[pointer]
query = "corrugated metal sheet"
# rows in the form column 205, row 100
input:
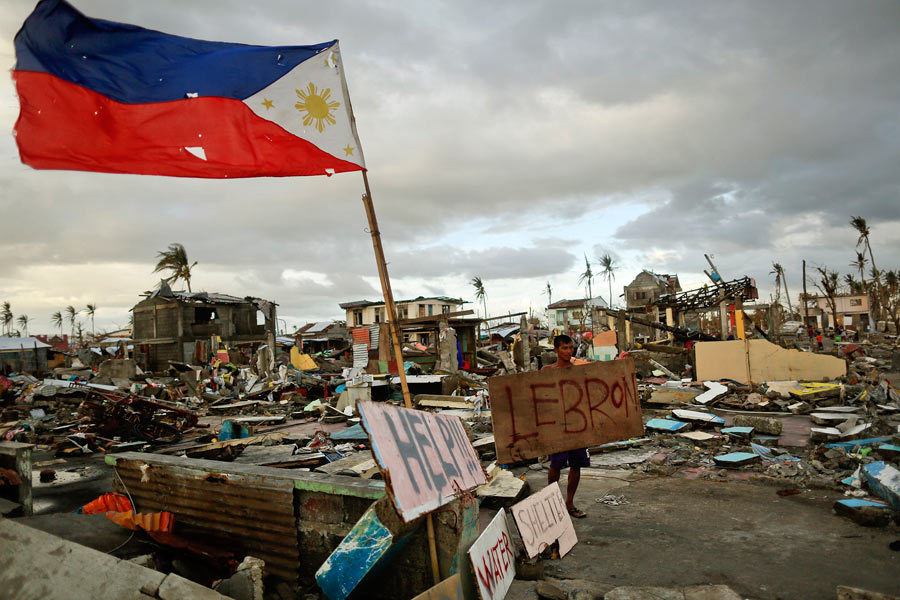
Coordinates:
column 256, row 509
column 360, row 355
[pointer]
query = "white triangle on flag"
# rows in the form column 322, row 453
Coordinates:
column 311, row 102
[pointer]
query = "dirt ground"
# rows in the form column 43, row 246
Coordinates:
column 679, row 532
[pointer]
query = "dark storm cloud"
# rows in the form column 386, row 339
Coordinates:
column 741, row 125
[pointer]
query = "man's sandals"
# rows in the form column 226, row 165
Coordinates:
column 577, row 513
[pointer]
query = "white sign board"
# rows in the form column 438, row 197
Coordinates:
column 542, row 519
column 493, row 559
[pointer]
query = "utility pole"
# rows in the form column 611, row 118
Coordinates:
column 714, row 275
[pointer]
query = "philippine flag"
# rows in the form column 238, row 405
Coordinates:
column 102, row 96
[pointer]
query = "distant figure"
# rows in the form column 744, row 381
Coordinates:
column 819, row 339
column 574, row 459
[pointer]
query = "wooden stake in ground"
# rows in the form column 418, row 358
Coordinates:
column 393, row 324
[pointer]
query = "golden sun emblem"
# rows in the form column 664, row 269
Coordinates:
column 315, row 103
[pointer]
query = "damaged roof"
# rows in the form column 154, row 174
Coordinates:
column 16, row 344
column 165, row 291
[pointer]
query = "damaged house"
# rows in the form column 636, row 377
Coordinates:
column 361, row 313
column 187, row 326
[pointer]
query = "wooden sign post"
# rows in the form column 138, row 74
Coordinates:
column 493, row 559
column 426, row 459
column 542, row 519
column 542, row 412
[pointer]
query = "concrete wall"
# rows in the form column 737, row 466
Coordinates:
column 40, row 566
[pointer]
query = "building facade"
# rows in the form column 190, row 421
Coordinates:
column 648, row 286
column 573, row 315
column 181, row 326
column 366, row 312
column 852, row 311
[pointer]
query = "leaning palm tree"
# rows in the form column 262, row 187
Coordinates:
column 90, row 310
column 587, row 277
column 480, row 294
column 175, row 259
column 23, row 320
column 862, row 228
column 71, row 313
column 608, row 272
column 6, row 317
column 56, row 319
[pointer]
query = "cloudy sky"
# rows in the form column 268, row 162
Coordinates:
column 506, row 140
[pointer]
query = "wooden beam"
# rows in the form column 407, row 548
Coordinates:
column 518, row 314
column 437, row 318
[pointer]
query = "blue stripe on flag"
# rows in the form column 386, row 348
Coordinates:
column 133, row 65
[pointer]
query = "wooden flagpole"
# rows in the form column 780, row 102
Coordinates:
column 386, row 290
column 393, row 323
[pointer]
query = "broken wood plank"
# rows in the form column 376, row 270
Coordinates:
column 438, row 401
column 358, row 463
column 503, row 490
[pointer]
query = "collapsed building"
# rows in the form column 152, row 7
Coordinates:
column 188, row 327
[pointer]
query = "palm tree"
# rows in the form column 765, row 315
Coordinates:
column 175, row 259
column 23, row 320
column 828, row 284
column 6, row 317
column 71, row 313
column 56, row 319
column 860, row 265
column 862, row 228
column 549, row 291
column 89, row 311
column 608, row 272
column 480, row 294
column 587, row 276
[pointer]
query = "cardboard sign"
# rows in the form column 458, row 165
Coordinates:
column 543, row 412
column 542, row 519
column 425, row 458
column 493, row 559
column 448, row 589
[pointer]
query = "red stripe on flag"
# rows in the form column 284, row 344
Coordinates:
column 65, row 126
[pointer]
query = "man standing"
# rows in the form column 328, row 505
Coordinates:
column 574, row 459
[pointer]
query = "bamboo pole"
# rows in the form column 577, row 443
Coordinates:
column 386, row 290
column 393, row 324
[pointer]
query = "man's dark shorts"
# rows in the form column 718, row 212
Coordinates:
column 572, row 458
